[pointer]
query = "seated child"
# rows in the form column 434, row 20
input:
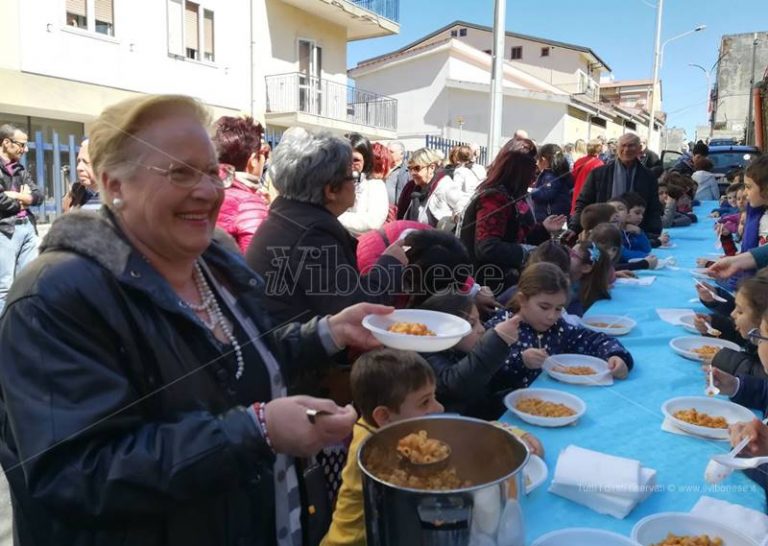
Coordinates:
column 750, row 392
column 542, row 294
column 464, row 372
column 387, row 386
column 634, row 242
column 608, row 236
column 750, row 305
column 591, row 275
column 729, row 206
column 669, row 195
column 597, row 213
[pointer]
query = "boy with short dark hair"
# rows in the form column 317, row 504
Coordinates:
column 635, row 243
column 595, row 214
column 387, row 386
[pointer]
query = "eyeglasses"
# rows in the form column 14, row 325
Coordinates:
column 22, row 145
column 755, row 338
column 186, row 176
column 417, row 168
column 355, row 177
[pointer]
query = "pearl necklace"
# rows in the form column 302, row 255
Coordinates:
column 210, row 306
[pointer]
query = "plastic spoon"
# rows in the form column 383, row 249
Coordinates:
column 711, row 390
column 738, row 463
column 711, row 292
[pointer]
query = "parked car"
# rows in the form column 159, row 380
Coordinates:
column 723, row 142
column 725, row 159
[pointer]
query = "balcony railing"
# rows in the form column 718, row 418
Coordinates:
column 386, row 8
column 296, row 92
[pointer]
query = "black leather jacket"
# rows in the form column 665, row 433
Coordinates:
column 114, row 431
column 9, row 207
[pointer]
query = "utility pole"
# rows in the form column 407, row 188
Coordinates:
column 750, row 132
column 497, row 79
column 655, row 82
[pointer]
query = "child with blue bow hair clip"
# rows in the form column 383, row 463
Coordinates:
column 591, row 276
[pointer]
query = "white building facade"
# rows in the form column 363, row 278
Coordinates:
column 300, row 65
column 551, row 89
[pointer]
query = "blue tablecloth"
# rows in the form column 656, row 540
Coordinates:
column 625, row 419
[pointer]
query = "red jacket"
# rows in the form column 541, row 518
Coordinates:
column 581, row 170
column 242, row 212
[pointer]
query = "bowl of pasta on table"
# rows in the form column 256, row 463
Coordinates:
column 699, row 347
column 545, row 407
column 679, row 529
column 615, row 325
column 417, row 330
column 704, row 416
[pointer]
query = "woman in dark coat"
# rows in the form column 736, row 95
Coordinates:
column 143, row 384
column 306, row 256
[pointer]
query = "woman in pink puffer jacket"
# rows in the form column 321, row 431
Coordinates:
column 239, row 146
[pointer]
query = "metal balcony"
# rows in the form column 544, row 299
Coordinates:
column 362, row 19
column 386, row 8
column 298, row 93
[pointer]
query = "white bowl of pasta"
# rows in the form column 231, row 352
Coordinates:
column 545, row 407
column 583, row 537
column 704, row 416
column 615, row 325
column 700, row 347
column 655, row 530
column 417, row 330
column 577, row 369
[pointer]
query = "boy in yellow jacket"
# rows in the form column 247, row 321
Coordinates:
column 387, row 386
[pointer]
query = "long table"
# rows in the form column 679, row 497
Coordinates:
column 625, row 419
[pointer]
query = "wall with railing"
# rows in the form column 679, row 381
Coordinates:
column 295, row 92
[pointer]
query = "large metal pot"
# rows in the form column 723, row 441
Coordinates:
column 487, row 513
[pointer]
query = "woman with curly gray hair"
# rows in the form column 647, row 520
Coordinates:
column 306, row 256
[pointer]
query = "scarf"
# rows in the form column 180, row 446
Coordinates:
column 623, row 178
column 287, row 494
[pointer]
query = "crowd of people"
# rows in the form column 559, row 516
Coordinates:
column 166, row 353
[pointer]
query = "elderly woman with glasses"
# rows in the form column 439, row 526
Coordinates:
column 143, row 383
column 306, row 256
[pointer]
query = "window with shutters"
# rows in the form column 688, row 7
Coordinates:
column 77, row 14
column 191, row 30
column 516, row 53
column 104, row 17
column 91, row 15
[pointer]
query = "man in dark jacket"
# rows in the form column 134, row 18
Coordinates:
column 618, row 177
column 18, row 236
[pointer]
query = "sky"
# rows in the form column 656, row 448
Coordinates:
column 621, row 32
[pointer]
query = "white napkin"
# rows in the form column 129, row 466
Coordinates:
column 618, row 507
column 669, row 426
column 641, row 281
column 750, row 522
column 599, row 472
column 673, row 316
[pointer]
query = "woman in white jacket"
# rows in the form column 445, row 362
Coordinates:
column 371, row 200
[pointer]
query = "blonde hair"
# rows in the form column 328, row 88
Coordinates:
column 424, row 157
column 594, row 147
column 118, row 124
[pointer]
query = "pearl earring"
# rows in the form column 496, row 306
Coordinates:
column 118, row 203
